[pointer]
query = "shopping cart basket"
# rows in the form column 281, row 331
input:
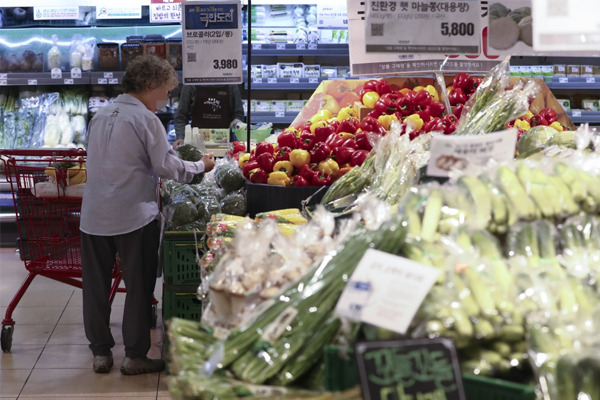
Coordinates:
column 48, row 209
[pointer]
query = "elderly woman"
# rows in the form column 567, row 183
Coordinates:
column 127, row 151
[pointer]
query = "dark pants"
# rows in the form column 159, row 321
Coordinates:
column 138, row 251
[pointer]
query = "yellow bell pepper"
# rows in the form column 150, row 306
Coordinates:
column 449, row 89
column 321, row 115
column 370, row 98
column 284, row 166
column 528, row 115
column 520, row 124
column 278, row 178
column 299, row 157
column 556, row 125
column 386, row 120
column 243, row 160
column 418, row 88
column 315, row 124
column 346, row 135
column 414, row 121
column 433, row 92
column 330, row 166
column 346, row 113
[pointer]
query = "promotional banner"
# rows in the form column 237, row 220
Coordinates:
column 212, row 42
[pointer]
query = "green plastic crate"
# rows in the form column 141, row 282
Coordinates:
column 181, row 302
column 179, row 261
column 341, row 373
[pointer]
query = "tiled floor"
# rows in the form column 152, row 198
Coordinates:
column 49, row 358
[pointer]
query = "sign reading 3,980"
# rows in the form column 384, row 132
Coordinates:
column 410, row 27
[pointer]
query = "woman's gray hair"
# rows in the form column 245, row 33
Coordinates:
column 149, row 71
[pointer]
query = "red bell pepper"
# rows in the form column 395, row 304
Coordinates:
column 370, row 86
column 415, row 134
column 362, row 141
column 424, row 114
column 407, row 106
column 299, row 180
column 473, row 86
column 422, row 99
column 462, row 81
column 343, row 155
column 334, row 140
column 321, row 179
column 436, row 108
column 238, row 147
column 282, row 153
column 308, row 170
column 249, row 166
column 306, row 141
column 382, row 87
column 435, row 125
column 548, row 114
column 287, row 138
column 358, row 157
column 350, row 143
column 538, row 120
column 264, row 147
column 374, row 113
column 457, row 96
column 370, row 124
column 389, row 103
column 458, row 110
column 258, row 175
column 349, row 125
column 323, row 132
column 319, row 152
column 266, row 161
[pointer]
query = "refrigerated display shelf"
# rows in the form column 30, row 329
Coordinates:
column 573, row 82
column 583, row 116
column 297, row 49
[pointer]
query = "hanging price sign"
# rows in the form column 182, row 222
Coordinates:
column 441, row 26
column 212, row 42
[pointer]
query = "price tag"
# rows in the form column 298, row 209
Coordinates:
column 102, row 81
column 371, row 294
column 32, row 82
column 444, row 26
column 590, row 80
column 434, row 371
column 563, row 79
column 279, row 114
column 449, row 153
column 313, row 80
column 257, row 80
column 294, row 80
column 312, row 46
column 576, row 113
column 3, row 82
column 280, row 46
column 113, row 81
column 55, row 73
column 68, row 81
column 300, row 46
column 272, row 80
column 3, row 76
column 76, row 73
column 256, row 46
column 108, row 75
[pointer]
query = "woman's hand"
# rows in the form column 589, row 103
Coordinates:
column 209, row 162
column 177, row 143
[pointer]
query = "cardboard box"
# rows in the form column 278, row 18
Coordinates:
column 590, row 104
column 565, row 103
column 560, row 70
column 586, row 70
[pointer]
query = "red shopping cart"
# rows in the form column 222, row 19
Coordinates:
column 47, row 205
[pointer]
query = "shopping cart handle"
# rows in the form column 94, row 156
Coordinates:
column 79, row 152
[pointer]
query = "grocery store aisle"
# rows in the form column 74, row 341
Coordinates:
column 49, row 358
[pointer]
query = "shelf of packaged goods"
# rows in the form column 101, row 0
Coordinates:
column 276, row 117
column 583, row 116
column 572, row 82
column 43, row 78
column 285, row 83
column 297, row 49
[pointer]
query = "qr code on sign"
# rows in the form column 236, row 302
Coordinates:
column 191, row 57
column 376, row 29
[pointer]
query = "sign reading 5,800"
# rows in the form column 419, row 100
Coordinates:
column 458, row 29
column 225, row 64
